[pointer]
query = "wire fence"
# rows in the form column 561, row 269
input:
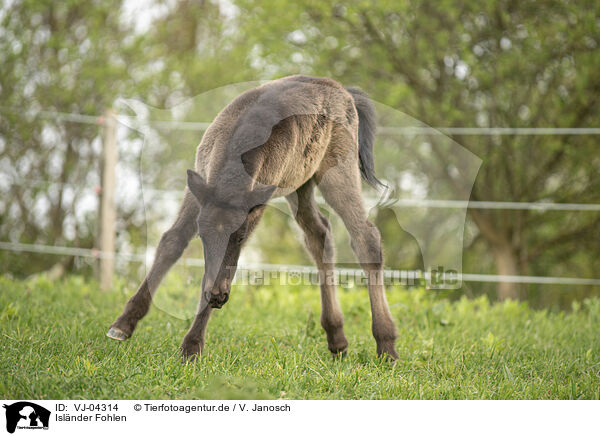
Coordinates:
column 129, row 121
column 370, row 201
column 295, row 269
column 386, row 130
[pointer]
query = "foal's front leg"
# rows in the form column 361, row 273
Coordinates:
column 172, row 244
column 193, row 342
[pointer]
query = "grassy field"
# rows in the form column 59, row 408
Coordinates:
column 267, row 343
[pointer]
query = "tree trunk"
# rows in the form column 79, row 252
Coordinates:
column 506, row 264
column 504, row 254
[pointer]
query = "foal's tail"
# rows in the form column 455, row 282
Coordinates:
column 366, row 136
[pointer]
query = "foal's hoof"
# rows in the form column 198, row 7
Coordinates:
column 391, row 358
column 387, row 351
column 339, row 355
column 338, row 348
column 116, row 333
column 190, row 352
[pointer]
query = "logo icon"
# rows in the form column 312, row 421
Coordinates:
column 26, row 415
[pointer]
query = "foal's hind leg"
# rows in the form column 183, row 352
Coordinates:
column 319, row 241
column 171, row 246
column 341, row 188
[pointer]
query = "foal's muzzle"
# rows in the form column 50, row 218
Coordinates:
column 217, row 300
column 216, row 295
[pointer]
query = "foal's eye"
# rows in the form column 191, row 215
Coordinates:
column 240, row 239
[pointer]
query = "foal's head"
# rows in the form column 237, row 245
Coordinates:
column 224, row 222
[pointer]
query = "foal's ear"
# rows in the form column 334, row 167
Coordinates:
column 197, row 185
column 260, row 196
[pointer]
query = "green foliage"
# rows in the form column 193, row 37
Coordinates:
column 66, row 57
column 495, row 63
column 266, row 343
column 80, row 57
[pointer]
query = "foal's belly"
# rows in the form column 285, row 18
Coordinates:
column 292, row 165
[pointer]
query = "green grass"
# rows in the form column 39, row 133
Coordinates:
column 267, row 343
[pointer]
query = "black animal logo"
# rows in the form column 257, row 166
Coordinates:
column 26, row 415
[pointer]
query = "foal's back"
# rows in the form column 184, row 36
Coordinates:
column 280, row 132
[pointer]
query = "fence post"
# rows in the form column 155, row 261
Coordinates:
column 108, row 208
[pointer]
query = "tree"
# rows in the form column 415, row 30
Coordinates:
column 79, row 57
column 65, row 57
column 498, row 63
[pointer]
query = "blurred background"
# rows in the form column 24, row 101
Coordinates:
column 516, row 84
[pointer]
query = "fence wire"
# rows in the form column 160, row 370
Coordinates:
column 294, row 269
column 300, row 269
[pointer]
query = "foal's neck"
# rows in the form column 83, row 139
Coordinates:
column 230, row 175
